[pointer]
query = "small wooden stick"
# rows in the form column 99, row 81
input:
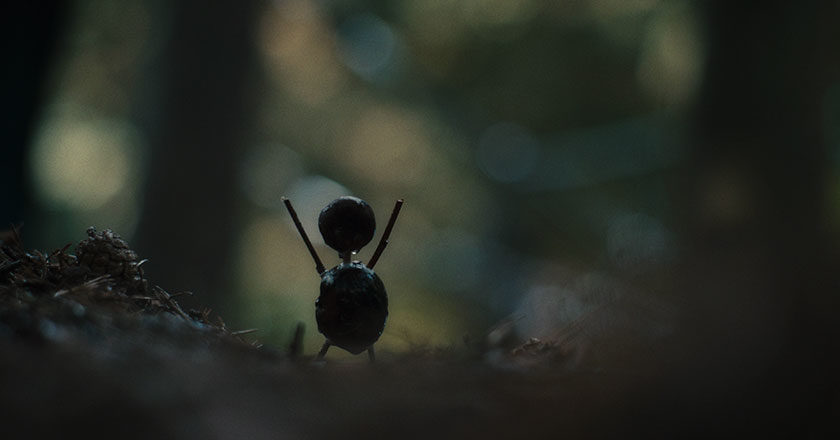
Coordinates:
column 318, row 265
column 296, row 344
column 384, row 240
column 324, row 349
column 244, row 332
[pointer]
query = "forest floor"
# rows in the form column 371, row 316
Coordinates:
column 89, row 347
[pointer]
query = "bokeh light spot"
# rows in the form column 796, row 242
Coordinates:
column 671, row 62
column 367, row 45
column 82, row 164
column 300, row 52
column 508, row 152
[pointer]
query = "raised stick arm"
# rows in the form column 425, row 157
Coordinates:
column 384, row 240
column 319, row 266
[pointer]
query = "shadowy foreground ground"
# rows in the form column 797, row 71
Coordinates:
column 90, row 348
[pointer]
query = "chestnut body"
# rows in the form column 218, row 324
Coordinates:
column 352, row 308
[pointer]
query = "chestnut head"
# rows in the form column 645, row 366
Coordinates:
column 347, row 224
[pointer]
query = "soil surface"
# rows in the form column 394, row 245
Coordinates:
column 90, row 348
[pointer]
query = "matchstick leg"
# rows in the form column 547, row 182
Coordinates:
column 323, row 351
column 384, row 240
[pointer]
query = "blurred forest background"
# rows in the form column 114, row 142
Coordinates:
column 614, row 163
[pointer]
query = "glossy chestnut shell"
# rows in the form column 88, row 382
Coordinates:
column 347, row 224
column 352, row 308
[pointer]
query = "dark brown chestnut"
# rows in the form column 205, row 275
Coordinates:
column 347, row 224
column 352, row 307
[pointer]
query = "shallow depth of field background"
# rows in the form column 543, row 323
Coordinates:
column 539, row 146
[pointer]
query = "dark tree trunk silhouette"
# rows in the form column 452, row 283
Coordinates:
column 30, row 37
column 757, row 285
column 199, row 110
